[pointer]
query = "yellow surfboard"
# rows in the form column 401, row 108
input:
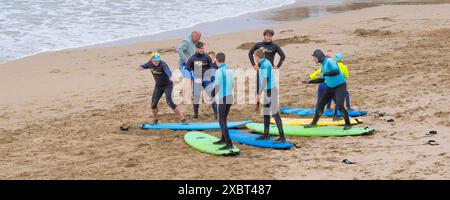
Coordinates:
column 322, row 121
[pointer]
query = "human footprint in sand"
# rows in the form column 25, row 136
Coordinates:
column 163, row 85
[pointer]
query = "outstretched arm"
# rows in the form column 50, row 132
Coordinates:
column 315, row 81
column 143, row 66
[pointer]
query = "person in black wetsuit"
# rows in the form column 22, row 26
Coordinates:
column 202, row 67
column 336, row 87
column 271, row 50
column 270, row 101
column 163, row 85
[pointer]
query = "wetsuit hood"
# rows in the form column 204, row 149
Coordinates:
column 338, row 57
column 319, row 55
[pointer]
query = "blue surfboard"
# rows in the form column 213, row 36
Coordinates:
column 352, row 113
column 250, row 139
column 304, row 112
column 192, row 126
column 290, row 110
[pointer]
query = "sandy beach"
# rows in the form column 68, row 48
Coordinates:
column 60, row 112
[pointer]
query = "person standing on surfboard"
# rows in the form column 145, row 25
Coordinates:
column 185, row 50
column 201, row 66
column 223, row 88
column 163, row 85
column 344, row 70
column 270, row 101
column 272, row 50
column 322, row 86
column 336, row 87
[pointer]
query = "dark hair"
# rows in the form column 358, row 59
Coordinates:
column 268, row 32
column 261, row 52
column 220, row 57
column 199, row 44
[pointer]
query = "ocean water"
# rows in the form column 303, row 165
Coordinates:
column 28, row 27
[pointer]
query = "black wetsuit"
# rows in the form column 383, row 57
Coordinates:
column 336, row 93
column 224, row 109
column 163, row 84
column 272, row 50
column 205, row 74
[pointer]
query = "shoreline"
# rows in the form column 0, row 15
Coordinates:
column 247, row 21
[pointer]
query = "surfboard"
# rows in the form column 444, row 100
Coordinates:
column 247, row 138
column 316, row 131
column 311, row 111
column 204, row 143
column 290, row 110
column 321, row 122
column 192, row 125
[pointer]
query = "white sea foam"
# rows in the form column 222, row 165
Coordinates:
column 32, row 26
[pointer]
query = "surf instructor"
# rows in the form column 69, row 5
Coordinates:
column 271, row 50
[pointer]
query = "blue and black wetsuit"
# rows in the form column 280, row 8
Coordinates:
column 270, row 100
column 163, row 84
column 272, row 50
column 224, row 89
column 336, row 88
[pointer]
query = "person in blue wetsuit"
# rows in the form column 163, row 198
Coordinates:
column 271, row 50
column 322, row 86
column 223, row 89
column 163, row 85
column 336, row 88
column 267, row 84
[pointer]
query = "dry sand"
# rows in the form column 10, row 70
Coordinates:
column 60, row 112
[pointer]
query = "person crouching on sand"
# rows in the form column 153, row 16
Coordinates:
column 163, row 85
column 323, row 86
column 336, row 88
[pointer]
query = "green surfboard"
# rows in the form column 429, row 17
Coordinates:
column 204, row 143
column 290, row 130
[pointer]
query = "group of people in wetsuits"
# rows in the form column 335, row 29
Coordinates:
column 208, row 73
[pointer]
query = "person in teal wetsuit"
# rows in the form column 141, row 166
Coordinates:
column 336, row 88
column 223, row 89
column 267, row 84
